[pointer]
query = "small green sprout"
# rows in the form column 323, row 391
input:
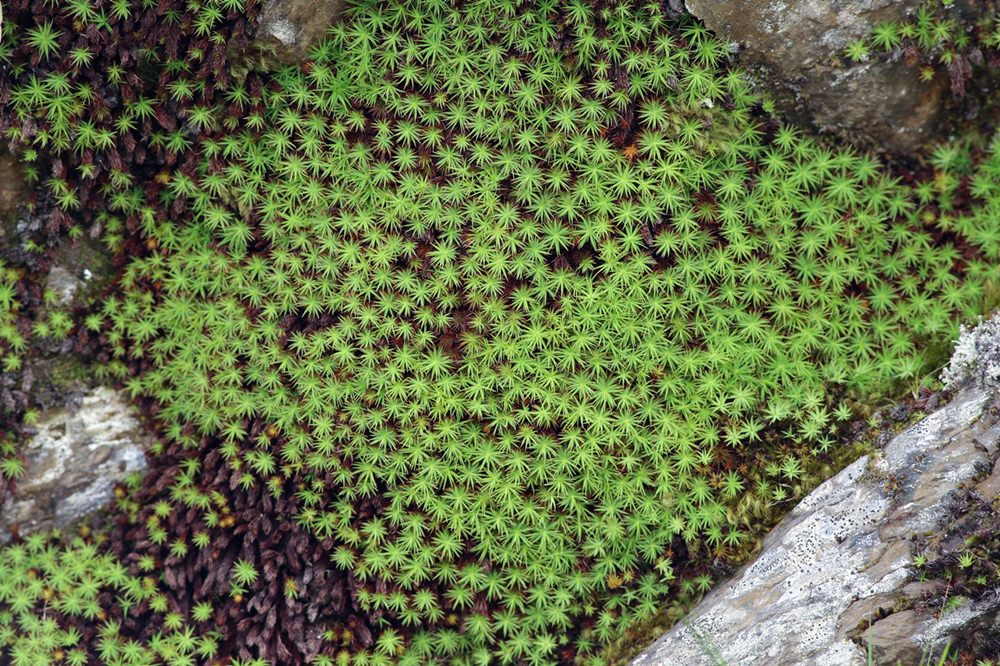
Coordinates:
column 244, row 573
column 202, row 612
column 12, row 468
column 44, row 39
column 858, row 51
column 886, row 36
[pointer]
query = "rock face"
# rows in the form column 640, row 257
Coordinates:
column 836, row 575
column 80, row 270
column 795, row 48
column 976, row 357
column 293, row 26
column 12, row 189
column 73, row 463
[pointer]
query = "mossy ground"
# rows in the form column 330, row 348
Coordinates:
column 485, row 333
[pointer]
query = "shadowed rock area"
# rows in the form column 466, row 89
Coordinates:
column 86, row 439
column 293, row 26
column 795, row 50
column 836, row 575
column 13, row 190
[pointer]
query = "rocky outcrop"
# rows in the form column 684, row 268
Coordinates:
column 73, row 462
column 795, row 49
column 293, row 26
column 85, row 440
column 836, row 577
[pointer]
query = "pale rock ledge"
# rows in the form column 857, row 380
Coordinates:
column 73, row 462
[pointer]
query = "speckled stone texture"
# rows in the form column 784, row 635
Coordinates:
column 976, row 357
column 835, row 575
column 795, row 50
column 73, row 463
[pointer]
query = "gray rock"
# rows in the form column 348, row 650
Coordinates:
column 64, row 284
column 795, row 49
column 989, row 488
column 61, row 380
column 976, row 357
column 836, row 574
column 73, row 463
column 293, row 26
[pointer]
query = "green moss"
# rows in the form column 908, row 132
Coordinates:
column 12, row 347
column 548, row 303
column 51, row 587
column 940, row 38
column 543, row 283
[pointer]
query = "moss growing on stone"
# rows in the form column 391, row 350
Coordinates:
column 523, row 313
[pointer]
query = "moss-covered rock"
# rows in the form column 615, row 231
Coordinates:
column 796, row 48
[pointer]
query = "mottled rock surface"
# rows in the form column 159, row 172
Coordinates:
column 12, row 190
column 80, row 270
column 73, row 462
column 293, row 26
column 795, row 49
column 976, row 357
column 836, row 574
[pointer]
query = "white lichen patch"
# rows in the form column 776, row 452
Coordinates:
column 976, row 357
column 64, row 284
column 283, row 30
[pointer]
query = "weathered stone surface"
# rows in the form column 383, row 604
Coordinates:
column 976, row 357
column 12, row 190
column 836, row 574
column 73, row 463
column 60, row 380
column 293, row 26
column 80, row 269
column 990, row 486
column 795, row 49
column 63, row 284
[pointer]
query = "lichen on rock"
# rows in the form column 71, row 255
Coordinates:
column 293, row 26
column 73, row 462
column 976, row 357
